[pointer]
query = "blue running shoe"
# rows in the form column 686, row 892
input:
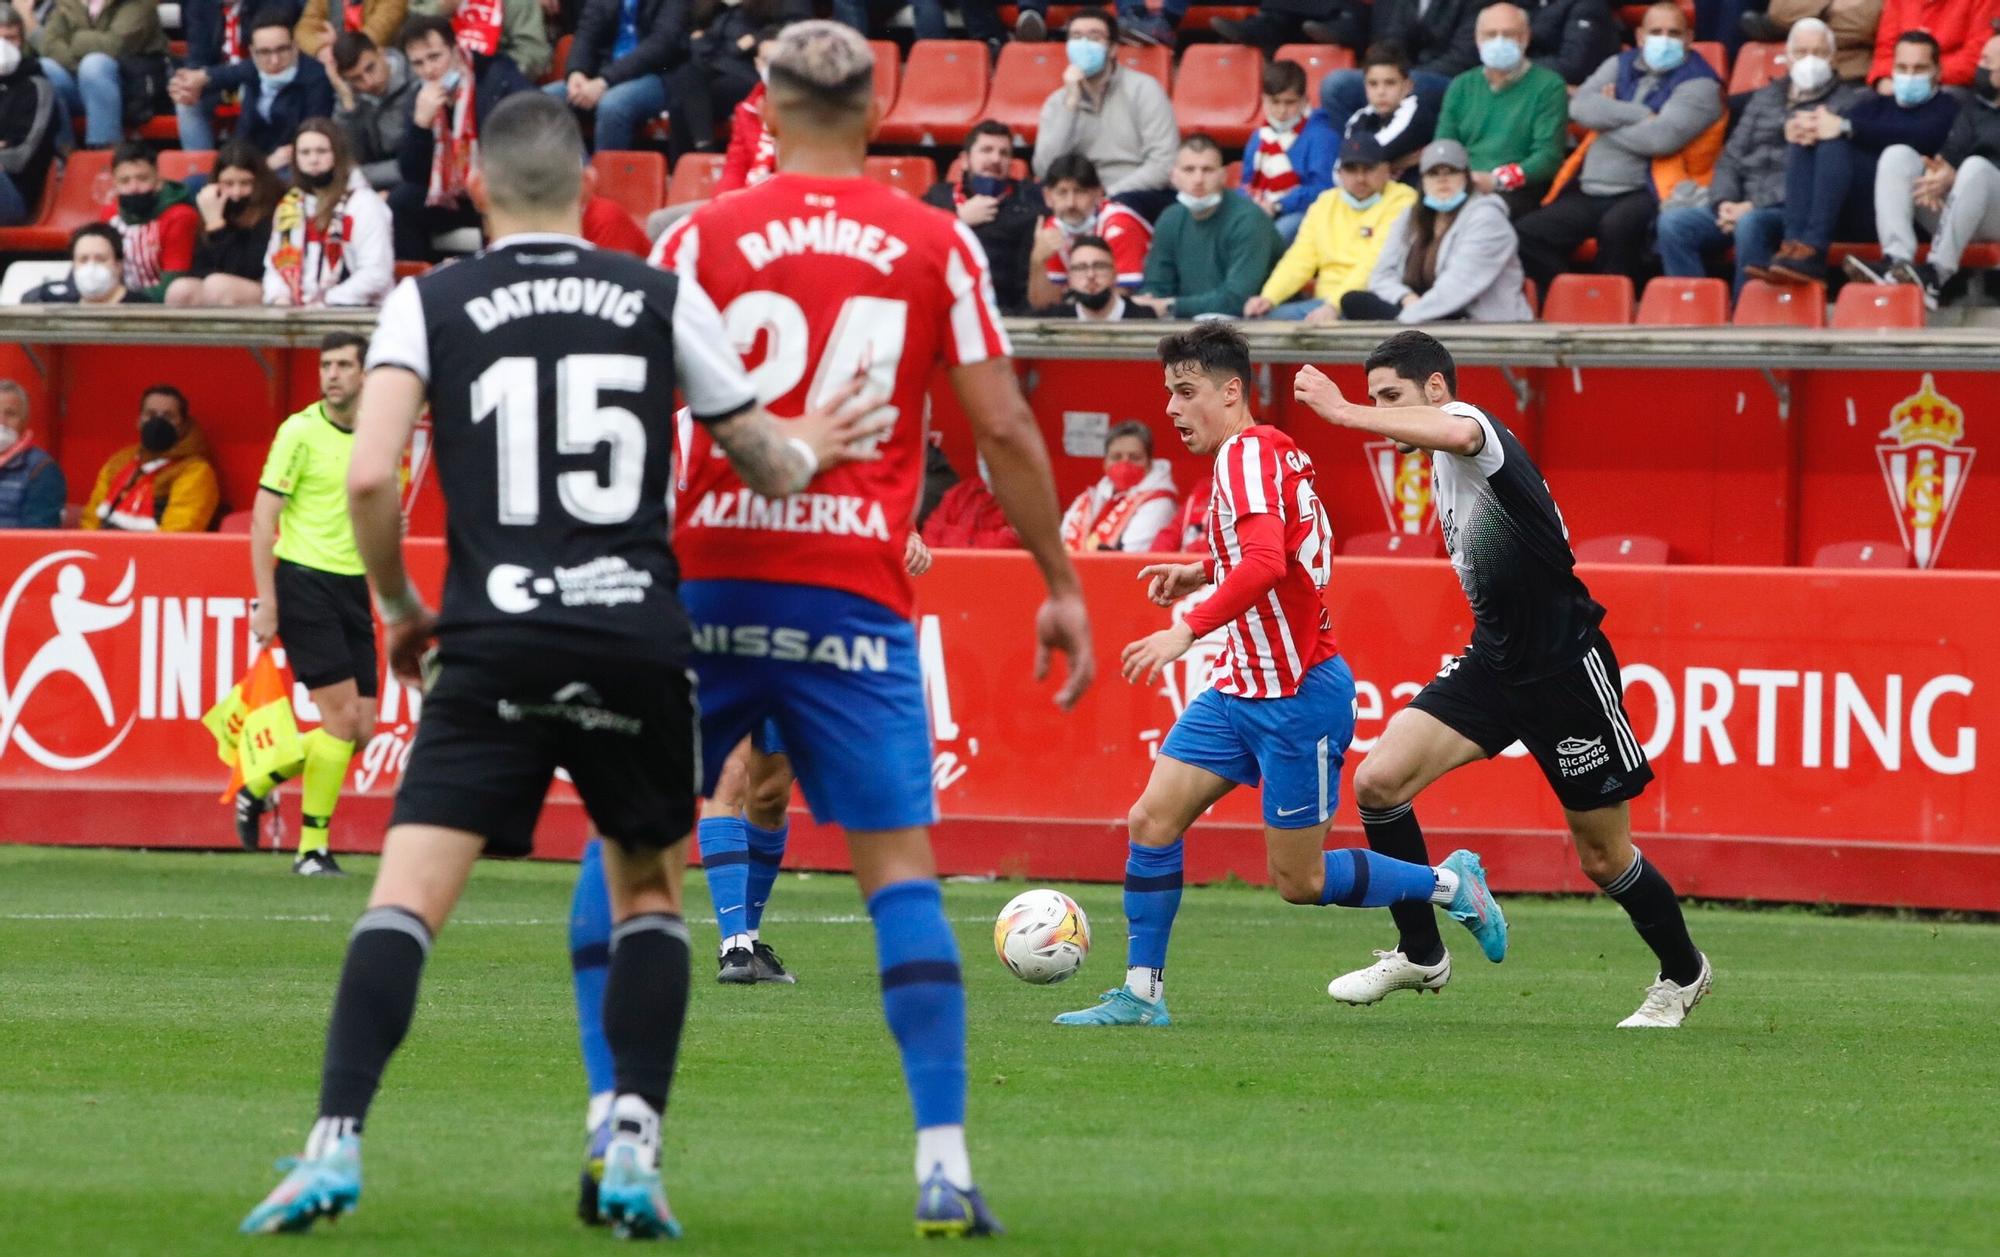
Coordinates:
column 630, row 1198
column 1119, row 1007
column 322, row 1188
column 593, row 1174
column 1474, row 907
column 947, row 1212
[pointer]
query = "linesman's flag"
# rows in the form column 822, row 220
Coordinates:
column 255, row 733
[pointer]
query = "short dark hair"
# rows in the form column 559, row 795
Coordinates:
column 348, row 49
column 1090, row 242
column 531, row 154
column 168, row 390
column 1200, row 143
column 105, row 230
column 1284, row 76
column 1415, row 356
column 1131, row 427
column 1074, row 168
column 268, row 18
column 1928, row 40
column 1388, row 52
column 419, row 28
column 334, row 342
column 988, row 126
column 1094, row 13
column 131, row 151
column 1214, row 346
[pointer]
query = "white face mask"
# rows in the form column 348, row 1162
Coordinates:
column 1286, row 127
column 1810, row 73
column 93, row 280
column 1198, row 205
column 10, row 57
column 7, row 439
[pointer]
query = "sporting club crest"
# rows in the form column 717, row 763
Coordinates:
column 1403, row 482
column 1925, row 467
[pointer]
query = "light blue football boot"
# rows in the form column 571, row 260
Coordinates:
column 324, row 1187
column 1119, row 1007
column 1474, row 907
column 630, row 1197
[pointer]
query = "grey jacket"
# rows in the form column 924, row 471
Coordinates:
column 1479, row 269
column 1130, row 135
column 376, row 124
column 1752, row 165
column 1629, row 135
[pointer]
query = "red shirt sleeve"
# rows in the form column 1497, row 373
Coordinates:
column 608, row 226
column 1262, row 538
column 746, row 129
column 1128, row 252
column 180, row 227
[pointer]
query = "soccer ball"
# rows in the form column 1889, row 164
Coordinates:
column 1042, row 936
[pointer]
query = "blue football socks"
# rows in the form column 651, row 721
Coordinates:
column 1359, row 878
column 767, row 853
column 590, row 962
column 923, row 997
column 725, row 861
column 1152, row 898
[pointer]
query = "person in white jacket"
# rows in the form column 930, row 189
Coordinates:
column 1453, row 256
column 332, row 243
column 1131, row 505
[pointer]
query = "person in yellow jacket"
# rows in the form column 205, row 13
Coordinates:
column 165, row 483
column 1337, row 244
column 312, row 595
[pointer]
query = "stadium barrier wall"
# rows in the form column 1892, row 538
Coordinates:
column 1817, row 734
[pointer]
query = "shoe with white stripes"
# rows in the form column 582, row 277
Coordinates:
column 1391, row 972
column 1668, row 1003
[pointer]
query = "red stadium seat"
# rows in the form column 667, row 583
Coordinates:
column 1589, row 299
column 1879, row 307
column 177, row 164
column 1780, row 305
column 236, row 522
column 913, row 175
column 1862, row 554
column 410, row 270
column 1219, row 92
column 1394, row 545
column 695, row 177
column 944, row 92
column 888, row 72
column 637, row 181
column 79, row 195
column 1670, row 302
column 1622, row 548
column 1318, row 61
column 1718, row 57
column 1148, row 59
column 559, row 62
column 1756, row 65
column 1232, row 175
column 1025, row 77
column 1633, row 14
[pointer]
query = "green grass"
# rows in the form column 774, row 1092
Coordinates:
column 161, row 1019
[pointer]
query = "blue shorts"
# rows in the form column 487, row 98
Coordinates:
column 1294, row 745
column 766, row 740
column 838, row 677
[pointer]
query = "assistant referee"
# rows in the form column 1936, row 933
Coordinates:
column 312, row 594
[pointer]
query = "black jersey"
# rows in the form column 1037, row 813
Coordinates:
column 551, row 368
column 1531, row 616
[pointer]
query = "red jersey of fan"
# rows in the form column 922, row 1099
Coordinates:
column 1124, row 229
column 820, row 280
column 1285, row 631
column 753, row 150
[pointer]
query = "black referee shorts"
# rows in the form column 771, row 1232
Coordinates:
column 327, row 626
column 1573, row 723
column 493, row 733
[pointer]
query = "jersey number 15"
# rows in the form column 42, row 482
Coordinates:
column 510, row 391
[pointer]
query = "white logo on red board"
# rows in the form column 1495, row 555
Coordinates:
column 1925, row 468
column 66, row 652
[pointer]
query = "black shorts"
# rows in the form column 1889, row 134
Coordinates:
column 327, row 626
column 1573, row 723
column 493, row 734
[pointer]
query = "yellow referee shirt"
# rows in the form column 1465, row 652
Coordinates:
column 308, row 468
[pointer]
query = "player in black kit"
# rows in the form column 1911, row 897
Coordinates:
column 550, row 370
column 1538, row 670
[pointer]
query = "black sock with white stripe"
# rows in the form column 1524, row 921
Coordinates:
column 645, row 1003
column 1394, row 832
column 371, row 1009
column 1646, row 896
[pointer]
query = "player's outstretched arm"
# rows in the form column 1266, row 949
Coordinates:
column 1025, row 487
column 1425, row 427
column 392, row 399
column 778, row 458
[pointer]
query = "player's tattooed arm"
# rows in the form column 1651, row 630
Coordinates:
column 772, row 466
column 1401, row 413
column 777, row 458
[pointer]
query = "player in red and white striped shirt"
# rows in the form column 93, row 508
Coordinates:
column 1281, row 709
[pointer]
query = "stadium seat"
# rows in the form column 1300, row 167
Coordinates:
column 1880, row 307
column 1149, row 59
column 1633, row 14
column 637, row 181
column 177, row 164
column 236, row 522
column 695, row 177
column 1622, row 548
column 1780, row 305
column 1862, row 554
column 1672, row 302
column 1588, row 299
column 77, row 195
column 410, row 270
column 913, row 175
column 1393, row 545
column 888, row 72
column 1219, row 92
column 559, row 62
column 1318, row 61
column 1718, row 57
column 944, row 92
column 1756, row 65
column 1232, row 175
column 1024, row 77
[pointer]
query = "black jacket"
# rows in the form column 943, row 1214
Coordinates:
column 1008, row 239
column 201, row 21
column 1441, row 40
column 494, row 80
column 237, row 251
column 308, row 95
column 1571, row 37
column 1974, row 133
column 663, row 40
column 27, row 127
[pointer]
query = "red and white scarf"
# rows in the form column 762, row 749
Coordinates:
column 455, row 131
column 233, row 50
column 306, row 253
column 136, row 507
column 477, row 25
column 1274, row 175
column 1097, row 519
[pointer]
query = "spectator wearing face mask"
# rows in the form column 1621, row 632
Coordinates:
column 455, row 93
column 1079, row 212
column 157, row 219
column 1854, row 24
column 1002, row 211
column 1958, row 27
column 1343, row 234
column 236, row 207
column 1090, row 287
column 1272, row 178
column 27, row 123
column 277, row 88
column 374, row 94
column 32, row 488
column 1120, row 119
column 331, row 240
column 1212, row 250
column 1453, row 256
column 96, row 272
column 1132, row 505
column 1511, row 115
column 166, row 482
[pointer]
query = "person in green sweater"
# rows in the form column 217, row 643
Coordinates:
column 1211, row 251
column 1511, row 115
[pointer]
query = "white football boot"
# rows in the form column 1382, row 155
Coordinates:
column 1667, row 1004
column 1392, row 971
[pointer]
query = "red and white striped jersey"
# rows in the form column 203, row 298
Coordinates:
column 1124, row 229
column 1269, row 648
column 820, row 280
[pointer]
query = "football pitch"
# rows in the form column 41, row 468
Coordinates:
column 161, row 1020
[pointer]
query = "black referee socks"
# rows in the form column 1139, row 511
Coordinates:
column 645, row 1003
column 1394, row 832
column 372, row 1009
column 1649, row 900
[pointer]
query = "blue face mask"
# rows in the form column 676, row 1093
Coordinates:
column 1087, row 55
column 985, row 185
column 451, row 81
column 274, row 83
column 1913, row 89
column 1356, row 203
column 1664, row 52
column 1500, row 54
column 1445, row 205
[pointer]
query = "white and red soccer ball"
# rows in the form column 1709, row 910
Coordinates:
column 1042, row 936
